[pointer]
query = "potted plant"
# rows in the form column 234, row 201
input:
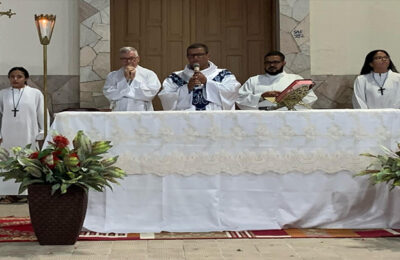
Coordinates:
column 385, row 168
column 57, row 179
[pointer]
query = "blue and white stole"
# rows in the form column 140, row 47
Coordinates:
column 199, row 99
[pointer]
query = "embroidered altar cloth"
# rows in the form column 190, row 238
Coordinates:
column 236, row 142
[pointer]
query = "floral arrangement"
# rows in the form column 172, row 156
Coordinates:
column 386, row 168
column 60, row 166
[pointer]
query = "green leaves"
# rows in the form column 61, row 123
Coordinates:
column 34, row 171
column 61, row 166
column 71, row 161
column 55, row 187
column 109, row 161
column 3, row 154
column 386, row 168
column 100, row 147
column 82, row 142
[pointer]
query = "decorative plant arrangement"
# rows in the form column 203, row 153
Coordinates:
column 57, row 179
column 386, row 168
column 60, row 166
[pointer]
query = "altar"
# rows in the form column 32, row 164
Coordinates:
column 240, row 170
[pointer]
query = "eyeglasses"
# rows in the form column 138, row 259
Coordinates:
column 198, row 55
column 382, row 58
column 275, row 62
column 129, row 58
column 16, row 77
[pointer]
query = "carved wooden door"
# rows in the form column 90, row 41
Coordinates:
column 238, row 33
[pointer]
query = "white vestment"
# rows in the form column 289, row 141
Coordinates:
column 368, row 90
column 251, row 91
column 25, row 128
column 131, row 96
column 220, row 89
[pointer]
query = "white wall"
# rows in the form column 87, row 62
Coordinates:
column 342, row 32
column 19, row 40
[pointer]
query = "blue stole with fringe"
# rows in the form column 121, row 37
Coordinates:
column 199, row 100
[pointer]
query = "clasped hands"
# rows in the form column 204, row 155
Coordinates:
column 129, row 73
column 197, row 79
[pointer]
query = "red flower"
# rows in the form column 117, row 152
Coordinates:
column 60, row 141
column 34, row 155
column 55, row 157
column 57, row 154
column 74, row 155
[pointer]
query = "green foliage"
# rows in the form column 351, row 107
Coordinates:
column 61, row 166
column 386, row 168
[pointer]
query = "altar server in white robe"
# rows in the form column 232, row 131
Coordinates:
column 21, row 119
column 378, row 85
column 201, row 85
column 21, row 112
column 132, row 87
column 270, row 84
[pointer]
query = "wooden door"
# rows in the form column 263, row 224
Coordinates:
column 238, row 33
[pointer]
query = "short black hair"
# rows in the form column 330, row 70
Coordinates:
column 366, row 68
column 275, row 53
column 197, row 45
column 22, row 69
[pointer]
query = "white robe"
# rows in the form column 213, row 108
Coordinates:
column 25, row 128
column 137, row 95
column 251, row 91
column 221, row 92
column 367, row 95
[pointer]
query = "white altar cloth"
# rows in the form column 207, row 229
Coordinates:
column 236, row 170
column 151, row 203
column 237, row 142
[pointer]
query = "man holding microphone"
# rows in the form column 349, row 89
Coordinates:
column 132, row 87
column 201, row 85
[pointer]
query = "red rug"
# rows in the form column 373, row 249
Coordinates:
column 13, row 229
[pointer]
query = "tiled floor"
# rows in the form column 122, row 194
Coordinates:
column 244, row 249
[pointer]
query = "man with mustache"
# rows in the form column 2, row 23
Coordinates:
column 201, row 85
column 254, row 91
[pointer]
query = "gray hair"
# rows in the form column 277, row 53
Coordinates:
column 128, row 49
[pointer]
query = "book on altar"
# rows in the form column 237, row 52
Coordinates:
column 298, row 83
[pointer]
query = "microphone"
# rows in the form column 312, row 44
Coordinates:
column 196, row 68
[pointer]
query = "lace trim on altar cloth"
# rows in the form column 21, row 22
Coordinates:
column 240, row 163
column 239, row 142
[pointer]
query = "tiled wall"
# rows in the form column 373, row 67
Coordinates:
column 333, row 91
column 295, row 35
column 94, row 51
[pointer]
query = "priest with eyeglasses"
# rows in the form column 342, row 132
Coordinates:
column 132, row 87
column 201, row 85
column 257, row 90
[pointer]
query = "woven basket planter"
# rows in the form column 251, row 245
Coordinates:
column 57, row 219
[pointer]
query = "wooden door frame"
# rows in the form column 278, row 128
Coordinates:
column 275, row 26
column 113, row 51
